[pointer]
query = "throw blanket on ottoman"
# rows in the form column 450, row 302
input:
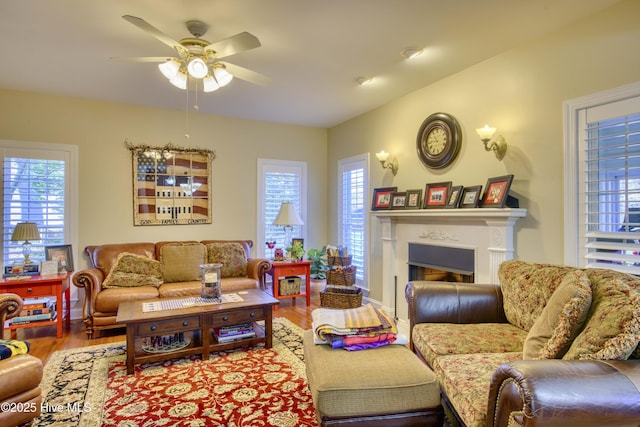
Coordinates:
column 354, row 329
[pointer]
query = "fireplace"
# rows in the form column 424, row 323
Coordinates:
column 431, row 262
column 468, row 242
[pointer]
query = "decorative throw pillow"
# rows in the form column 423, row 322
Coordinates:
column 561, row 319
column 526, row 289
column 132, row 270
column 10, row 348
column 181, row 261
column 613, row 329
column 232, row 257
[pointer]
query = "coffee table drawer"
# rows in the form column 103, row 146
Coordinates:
column 185, row 323
column 235, row 317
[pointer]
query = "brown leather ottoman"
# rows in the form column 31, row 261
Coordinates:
column 386, row 387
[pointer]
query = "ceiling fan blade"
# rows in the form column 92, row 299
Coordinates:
column 246, row 74
column 144, row 25
column 142, row 59
column 234, row 44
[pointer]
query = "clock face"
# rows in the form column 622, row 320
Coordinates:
column 438, row 141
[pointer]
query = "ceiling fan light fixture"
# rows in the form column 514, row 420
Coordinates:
column 222, row 76
column 197, row 68
column 209, row 84
column 170, row 68
column 179, row 81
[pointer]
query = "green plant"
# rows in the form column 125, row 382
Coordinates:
column 296, row 250
column 319, row 264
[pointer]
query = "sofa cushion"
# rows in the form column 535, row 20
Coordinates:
column 613, row 328
column 108, row 300
column 561, row 319
column 132, row 270
column 526, row 289
column 232, row 257
column 436, row 339
column 181, row 261
column 466, row 378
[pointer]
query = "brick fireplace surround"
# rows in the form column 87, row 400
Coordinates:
column 487, row 232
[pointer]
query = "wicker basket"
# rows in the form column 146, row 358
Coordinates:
column 339, row 260
column 344, row 277
column 340, row 300
column 289, row 285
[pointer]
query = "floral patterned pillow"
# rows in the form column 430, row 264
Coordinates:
column 232, row 257
column 131, row 270
column 561, row 320
column 613, row 329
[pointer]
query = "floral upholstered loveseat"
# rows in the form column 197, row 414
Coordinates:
column 549, row 346
column 141, row 271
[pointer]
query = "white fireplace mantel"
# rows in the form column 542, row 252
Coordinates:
column 489, row 232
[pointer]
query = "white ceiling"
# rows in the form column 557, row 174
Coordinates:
column 311, row 49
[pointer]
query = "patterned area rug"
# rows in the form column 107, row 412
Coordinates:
column 250, row 386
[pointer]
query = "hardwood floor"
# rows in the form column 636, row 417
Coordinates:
column 44, row 342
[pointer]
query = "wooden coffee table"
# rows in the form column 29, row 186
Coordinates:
column 197, row 323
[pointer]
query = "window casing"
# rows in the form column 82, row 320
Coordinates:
column 353, row 230
column 279, row 181
column 602, row 180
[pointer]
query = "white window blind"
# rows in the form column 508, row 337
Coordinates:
column 602, row 185
column 279, row 181
column 34, row 189
column 353, row 213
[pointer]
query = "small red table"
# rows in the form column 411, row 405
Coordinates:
column 291, row 268
column 52, row 285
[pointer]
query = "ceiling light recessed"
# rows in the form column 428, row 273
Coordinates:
column 363, row 80
column 411, row 52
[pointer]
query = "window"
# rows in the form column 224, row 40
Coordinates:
column 37, row 183
column 279, row 181
column 352, row 212
column 602, row 215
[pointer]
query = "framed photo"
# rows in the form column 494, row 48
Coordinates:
column 496, row 191
column 436, row 195
column 382, row 198
column 398, row 200
column 62, row 254
column 470, row 196
column 414, row 199
column 454, row 197
column 297, row 240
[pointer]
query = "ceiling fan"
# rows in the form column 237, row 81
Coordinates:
column 199, row 59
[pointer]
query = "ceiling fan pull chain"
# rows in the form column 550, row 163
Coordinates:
column 186, row 134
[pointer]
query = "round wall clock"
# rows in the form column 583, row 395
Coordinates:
column 439, row 140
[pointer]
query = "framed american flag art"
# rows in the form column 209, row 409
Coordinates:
column 171, row 185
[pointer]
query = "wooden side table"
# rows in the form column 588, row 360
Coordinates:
column 291, row 268
column 56, row 285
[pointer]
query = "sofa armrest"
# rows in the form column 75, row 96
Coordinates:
column 90, row 280
column 257, row 269
column 10, row 306
column 565, row 393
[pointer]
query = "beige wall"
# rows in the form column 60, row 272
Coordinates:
column 105, row 191
column 521, row 92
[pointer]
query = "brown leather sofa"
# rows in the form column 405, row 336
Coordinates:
column 100, row 305
column 463, row 333
column 20, row 376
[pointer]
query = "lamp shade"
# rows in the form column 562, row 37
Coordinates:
column 288, row 215
column 25, row 231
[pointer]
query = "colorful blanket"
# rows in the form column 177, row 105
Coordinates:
column 10, row 348
column 354, row 329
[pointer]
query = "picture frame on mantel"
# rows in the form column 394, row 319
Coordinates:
column 414, row 199
column 436, row 195
column 382, row 198
column 398, row 200
column 470, row 196
column 454, row 197
column 497, row 191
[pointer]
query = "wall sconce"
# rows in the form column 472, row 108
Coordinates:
column 498, row 146
column 393, row 165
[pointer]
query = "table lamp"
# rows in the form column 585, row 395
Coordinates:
column 288, row 217
column 26, row 231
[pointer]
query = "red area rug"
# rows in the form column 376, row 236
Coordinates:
column 246, row 387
